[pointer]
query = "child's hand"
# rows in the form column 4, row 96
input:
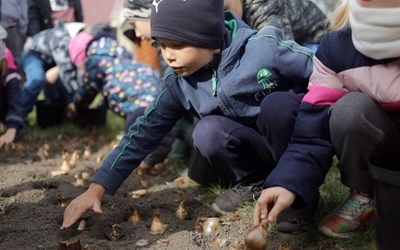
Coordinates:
column 72, row 108
column 145, row 166
column 8, row 136
column 52, row 75
column 271, row 203
column 90, row 199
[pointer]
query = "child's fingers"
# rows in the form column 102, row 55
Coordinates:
column 260, row 211
column 275, row 211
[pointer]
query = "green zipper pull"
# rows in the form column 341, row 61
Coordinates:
column 214, row 81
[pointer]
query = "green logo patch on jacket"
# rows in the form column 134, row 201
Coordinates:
column 264, row 78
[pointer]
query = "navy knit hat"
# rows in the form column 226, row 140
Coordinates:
column 195, row 22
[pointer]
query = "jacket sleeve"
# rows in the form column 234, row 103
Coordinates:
column 165, row 147
column 306, row 161
column 294, row 62
column 143, row 138
column 14, row 117
column 325, row 86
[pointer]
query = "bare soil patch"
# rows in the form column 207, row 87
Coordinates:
column 33, row 198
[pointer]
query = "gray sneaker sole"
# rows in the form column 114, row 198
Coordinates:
column 215, row 207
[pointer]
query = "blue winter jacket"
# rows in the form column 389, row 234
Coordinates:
column 251, row 65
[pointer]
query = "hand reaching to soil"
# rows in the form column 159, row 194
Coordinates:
column 271, row 203
column 90, row 199
column 8, row 136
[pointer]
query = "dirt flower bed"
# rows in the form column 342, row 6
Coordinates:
column 39, row 178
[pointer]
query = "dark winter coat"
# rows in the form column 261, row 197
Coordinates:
column 252, row 64
column 299, row 20
column 39, row 14
column 10, row 96
column 338, row 69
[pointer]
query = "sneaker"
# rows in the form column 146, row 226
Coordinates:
column 349, row 217
column 293, row 220
column 234, row 197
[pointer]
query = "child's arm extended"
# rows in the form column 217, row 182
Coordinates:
column 90, row 199
column 271, row 203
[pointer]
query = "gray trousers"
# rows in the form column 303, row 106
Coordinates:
column 15, row 43
column 363, row 134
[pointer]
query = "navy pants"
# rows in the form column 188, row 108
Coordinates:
column 248, row 153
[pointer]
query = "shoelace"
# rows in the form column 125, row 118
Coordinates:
column 351, row 206
column 239, row 189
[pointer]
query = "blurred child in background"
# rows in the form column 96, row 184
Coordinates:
column 299, row 20
column 14, row 18
column 127, row 85
column 44, row 14
column 42, row 52
column 11, row 118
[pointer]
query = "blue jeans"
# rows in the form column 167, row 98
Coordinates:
column 35, row 69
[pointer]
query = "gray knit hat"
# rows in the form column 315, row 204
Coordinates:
column 137, row 9
column 195, row 22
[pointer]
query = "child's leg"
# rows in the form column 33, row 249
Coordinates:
column 278, row 112
column 56, row 93
column 362, row 135
column 35, row 80
column 228, row 144
column 238, row 149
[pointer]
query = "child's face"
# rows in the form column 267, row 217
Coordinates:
column 379, row 3
column 142, row 28
column 185, row 59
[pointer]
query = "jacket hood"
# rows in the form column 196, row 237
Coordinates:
column 237, row 34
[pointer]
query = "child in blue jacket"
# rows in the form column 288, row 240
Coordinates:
column 220, row 70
